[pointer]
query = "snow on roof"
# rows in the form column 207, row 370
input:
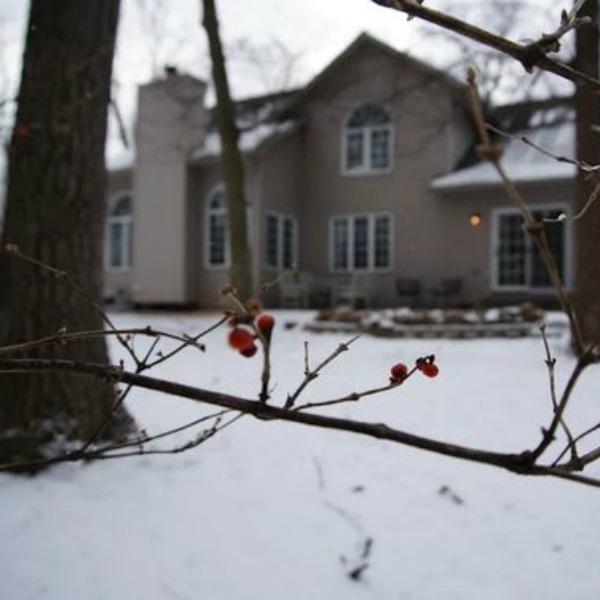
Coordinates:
column 522, row 162
column 249, row 140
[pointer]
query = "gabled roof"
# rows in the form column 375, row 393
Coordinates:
column 262, row 118
column 367, row 40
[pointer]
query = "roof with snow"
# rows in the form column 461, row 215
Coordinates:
column 538, row 146
column 258, row 120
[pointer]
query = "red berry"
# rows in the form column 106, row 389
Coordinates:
column 240, row 338
column 399, row 372
column 264, row 324
column 429, row 369
column 248, row 351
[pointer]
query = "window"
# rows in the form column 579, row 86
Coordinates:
column 280, row 241
column 361, row 242
column 367, row 141
column 119, row 247
column 517, row 262
column 217, row 234
column 217, row 250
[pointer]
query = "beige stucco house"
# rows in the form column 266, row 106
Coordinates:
column 359, row 186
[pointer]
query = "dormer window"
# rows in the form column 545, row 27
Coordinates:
column 367, row 141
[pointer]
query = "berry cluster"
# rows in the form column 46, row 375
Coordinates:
column 243, row 335
column 399, row 372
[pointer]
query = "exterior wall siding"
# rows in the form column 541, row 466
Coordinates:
column 424, row 125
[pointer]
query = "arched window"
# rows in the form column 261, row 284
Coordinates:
column 367, row 141
column 217, row 230
column 120, row 233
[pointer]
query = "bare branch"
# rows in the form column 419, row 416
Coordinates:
column 532, row 55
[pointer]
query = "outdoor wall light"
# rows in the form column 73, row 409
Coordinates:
column 475, row 219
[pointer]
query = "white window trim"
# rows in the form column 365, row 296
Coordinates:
column 281, row 219
column 366, row 170
column 496, row 214
column 217, row 189
column 371, row 216
column 123, row 219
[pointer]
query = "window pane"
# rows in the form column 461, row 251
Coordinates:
column 288, row 258
column 340, row 244
column 116, row 244
column 382, row 242
column 122, row 207
column 272, row 241
column 511, row 251
column 354, row 150
column 217, row 240
column 361, row 243
column 368, row 114
column 217, row 201
column 380, row 158
column 555, row 236
column 129, row 243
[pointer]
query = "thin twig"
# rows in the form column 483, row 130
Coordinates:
column 591, row 170
column 548, row 437
column 63, row 337
column 312, row 375
column 355, row 396
column 535, row 229
column 551, row 363
column 14, row 251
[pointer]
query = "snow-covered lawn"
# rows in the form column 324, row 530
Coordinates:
column 272, row 511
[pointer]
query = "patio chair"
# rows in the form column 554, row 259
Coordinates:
column 295, row 290
column 353, row 291
column 410, row 291
column 447, row 292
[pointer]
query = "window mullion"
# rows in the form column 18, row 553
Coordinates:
column 371, row 242
column 528, row 261
column 350, row 245
column 280, row 241
column 367, row 148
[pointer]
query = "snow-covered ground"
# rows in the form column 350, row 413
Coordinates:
column 272, row 511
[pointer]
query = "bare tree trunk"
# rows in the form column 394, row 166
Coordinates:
column 55, row 214
column 587, row 229
column 231, row 159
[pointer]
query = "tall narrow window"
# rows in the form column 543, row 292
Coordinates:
column 361, row 242
column 217, row 243
column 280, row 241
column 367, row 141
column 517, row 262
column 119, row 248
column 217, row 234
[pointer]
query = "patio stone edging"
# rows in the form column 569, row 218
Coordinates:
column 431, row 330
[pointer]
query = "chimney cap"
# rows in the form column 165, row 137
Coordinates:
column 170, row 70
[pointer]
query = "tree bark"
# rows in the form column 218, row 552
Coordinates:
column 231, row 160
column 587, row 229
column 54, row 213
